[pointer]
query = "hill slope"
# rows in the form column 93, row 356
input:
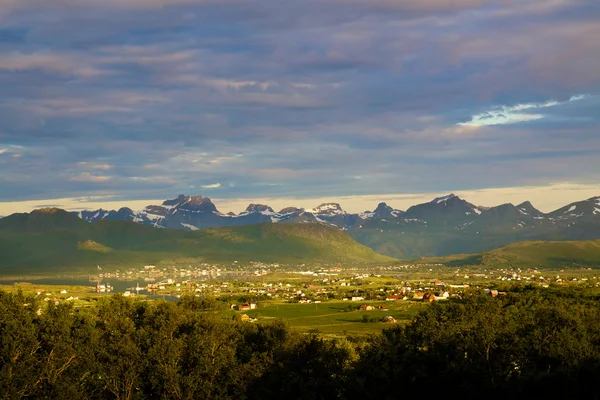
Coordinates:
column 546, row 254
column 534, row 254
column 54, row 239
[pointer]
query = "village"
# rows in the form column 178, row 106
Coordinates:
column 331, row 299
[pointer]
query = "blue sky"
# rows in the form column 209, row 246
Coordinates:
column 124, row 100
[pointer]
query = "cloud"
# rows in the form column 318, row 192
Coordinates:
column 515, row 114
column 51, row 62
column 102, row 167
column 86, row 177
column 212, row 186
column 296, row 100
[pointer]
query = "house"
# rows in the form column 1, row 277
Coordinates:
column 246, row 318
column 366, row 307
column 427, row 297
column 357, row 298
column 418, row 295
column 244, row 307
column 390, row 319
column 494, row 293
column 395, row 297
column 443, row 296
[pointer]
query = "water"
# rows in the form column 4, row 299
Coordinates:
column 118, row 286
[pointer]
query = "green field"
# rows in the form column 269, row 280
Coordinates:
column 83, row 294
column 332, row 317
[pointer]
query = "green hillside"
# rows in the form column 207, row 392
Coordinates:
column 537, row 254
column 546, row 254
column 52, row 239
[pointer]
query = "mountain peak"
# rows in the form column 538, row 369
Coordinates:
column 48, row 218
column 289, row 210
column 383, row 209
column 258, row 208
column 197, row 199
column 383, row 206
column 49, row 210
column 188, row 203
column 527, row 206
column 443, row 199
column 182, row 198
column 327, row 209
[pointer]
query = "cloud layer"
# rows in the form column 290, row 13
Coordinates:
column 307, row 99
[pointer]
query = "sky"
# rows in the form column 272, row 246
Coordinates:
column 129, row 102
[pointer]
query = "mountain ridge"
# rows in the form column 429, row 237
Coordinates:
column 445, row 225
column 40, row 240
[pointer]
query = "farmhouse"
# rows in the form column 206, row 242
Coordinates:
column 247, row 306
column 366, row 307
column 429, row 297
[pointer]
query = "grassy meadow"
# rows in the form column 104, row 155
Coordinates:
column 334, row 318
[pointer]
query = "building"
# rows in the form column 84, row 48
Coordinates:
column 395, row 297
column 366, row 307
column 443, row 296
column 247, row 306
column 427, row 297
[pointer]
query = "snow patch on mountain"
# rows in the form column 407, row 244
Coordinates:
column 439, row 200
column 327, row 209
column 190, row 227
column 366, row 215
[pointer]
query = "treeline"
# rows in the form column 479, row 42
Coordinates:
column 529, row 344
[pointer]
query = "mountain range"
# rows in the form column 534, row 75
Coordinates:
column 445, row 225
column 54, row 240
